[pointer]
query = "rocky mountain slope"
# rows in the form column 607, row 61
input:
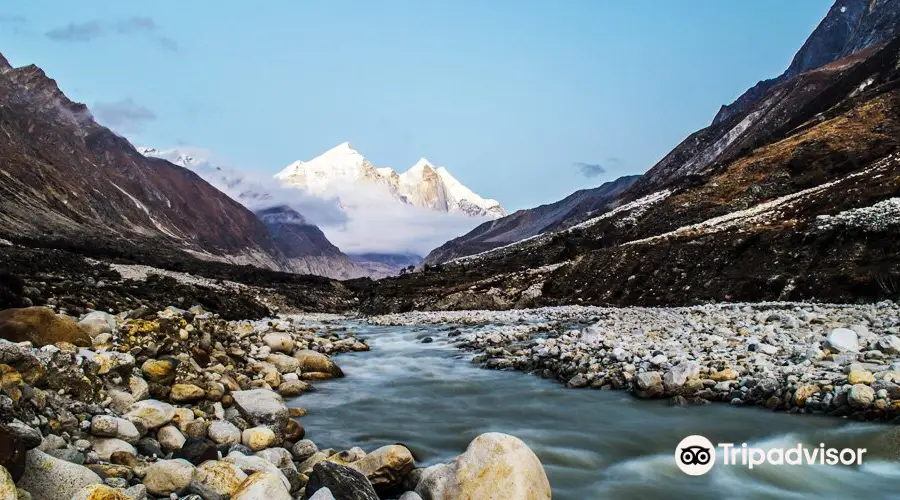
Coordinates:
column 793, row 197
column 423, row 185
column 528, row 223
column 305, row 246
column 849, row 27
column 67, row 181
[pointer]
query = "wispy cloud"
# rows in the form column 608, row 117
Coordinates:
column 597, row 169
column 77, row 32
column 93, row 29
column 16, row 24
column 123, row 115
column 590, row 169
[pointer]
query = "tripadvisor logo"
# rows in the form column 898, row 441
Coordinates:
column 696, row 455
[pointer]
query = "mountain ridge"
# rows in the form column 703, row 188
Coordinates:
column 849, row 27
column 527, row 223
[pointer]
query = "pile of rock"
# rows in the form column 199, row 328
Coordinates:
column 803, row 358
column 152, row 404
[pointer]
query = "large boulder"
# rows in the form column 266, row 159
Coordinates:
column 262, row 407
column 169, row 476
column 217, row 480
column 344, row 482
column 41, row 326
column 860, row 396
column 283, row 363
column 322, row 494
column 304, row 449
column 494, row 466
column 312, row 361
column 161, row 371
column 386, row 467
column 170, row 438
column 680, row 373
column 262, row 485
column 198, row 450
column 889, row 344
column 50, row 478
column 186, row 393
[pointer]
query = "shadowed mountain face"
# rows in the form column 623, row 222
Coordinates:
column 65, row 179
column 794, row 197
column 69, row 182
column 305, row 247
column 530, row 222
column 851, row 26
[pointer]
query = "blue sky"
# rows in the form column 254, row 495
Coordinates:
column 514, row 97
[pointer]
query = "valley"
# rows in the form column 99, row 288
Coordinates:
column 173, row 326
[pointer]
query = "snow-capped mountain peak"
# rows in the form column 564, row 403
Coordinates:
column 340, row 164
column 424, row 184
column 460, row 194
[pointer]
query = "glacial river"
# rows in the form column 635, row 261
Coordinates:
column 593, row 444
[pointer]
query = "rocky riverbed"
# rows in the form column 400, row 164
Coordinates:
column 839, row 360
column 183, row 404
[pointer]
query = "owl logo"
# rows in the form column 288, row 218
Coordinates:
column 695, row 455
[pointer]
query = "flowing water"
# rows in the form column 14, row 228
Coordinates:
column 593, row 444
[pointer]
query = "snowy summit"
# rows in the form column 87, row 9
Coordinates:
column 423, row 185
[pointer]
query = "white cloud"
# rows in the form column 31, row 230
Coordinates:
column 378, row 223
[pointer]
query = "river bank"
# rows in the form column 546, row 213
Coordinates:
column 839, row 360
column 429, row 396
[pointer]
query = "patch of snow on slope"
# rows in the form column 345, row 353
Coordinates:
column 755, row 214
column 641, row 204
column 877, row 217
column 143, row 207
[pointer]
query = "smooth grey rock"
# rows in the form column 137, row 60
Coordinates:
column 262, row 407
column 842, row 340
column 224, row 432
column 304, row 449
column 168, row 476
column 49, row 478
